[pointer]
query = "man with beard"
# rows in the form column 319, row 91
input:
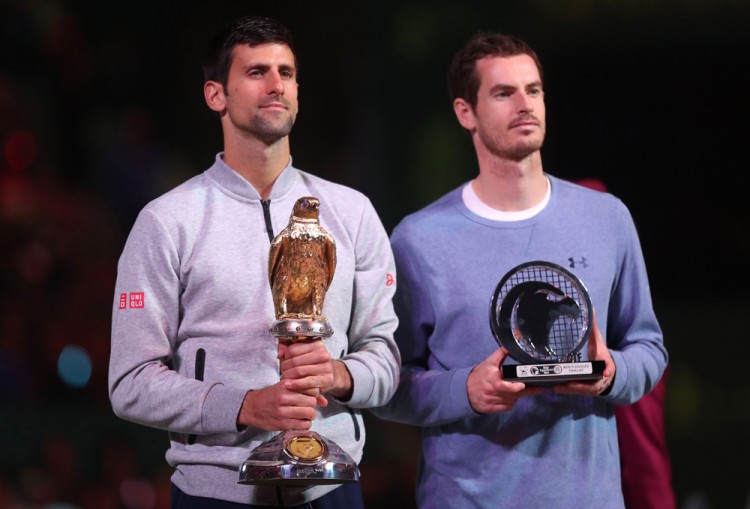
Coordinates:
column 191, row 348
column 490, row 442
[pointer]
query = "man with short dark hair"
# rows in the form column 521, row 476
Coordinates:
column 487, row 441
column 191, row 348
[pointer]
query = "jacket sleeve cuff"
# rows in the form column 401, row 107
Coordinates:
column 220, row 409
column 459, row 394
column 613, row 392
column 362, row 384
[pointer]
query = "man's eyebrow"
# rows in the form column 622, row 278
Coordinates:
column 497, row 87
column 508, row 87
column 257, row 65
column 265, row 67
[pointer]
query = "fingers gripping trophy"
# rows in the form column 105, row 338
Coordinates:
column 301, row 265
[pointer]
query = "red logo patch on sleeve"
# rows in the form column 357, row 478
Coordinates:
column 389, row 280
column 123, row 300
column 136, row 300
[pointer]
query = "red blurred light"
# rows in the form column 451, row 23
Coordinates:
column 21, row 150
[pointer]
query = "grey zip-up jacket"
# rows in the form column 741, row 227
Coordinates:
column 193, row 275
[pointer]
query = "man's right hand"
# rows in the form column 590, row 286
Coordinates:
column 488, row 392
column 276, row 408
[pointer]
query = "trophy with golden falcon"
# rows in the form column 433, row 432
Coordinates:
column 301, row 265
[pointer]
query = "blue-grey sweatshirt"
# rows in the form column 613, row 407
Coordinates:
column 549, row 450
column 193, row 275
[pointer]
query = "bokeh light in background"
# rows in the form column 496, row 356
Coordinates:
column 137, row 494
column 74, row 366
column 101, row 110
column 20, row 150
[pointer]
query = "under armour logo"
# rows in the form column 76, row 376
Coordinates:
column 582, row 262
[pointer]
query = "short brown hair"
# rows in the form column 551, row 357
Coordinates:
column 463, row 81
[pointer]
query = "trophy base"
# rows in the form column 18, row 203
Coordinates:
column 298, row 458
column 556, row 372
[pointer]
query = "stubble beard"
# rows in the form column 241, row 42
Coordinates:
column 268, row 130
column 518, row 151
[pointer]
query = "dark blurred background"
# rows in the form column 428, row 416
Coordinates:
column 101, row 110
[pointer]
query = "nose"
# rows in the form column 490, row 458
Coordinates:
column 525, row 103
column 275, row 84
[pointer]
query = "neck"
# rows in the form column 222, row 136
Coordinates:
column 258, row 163
column 509, row 185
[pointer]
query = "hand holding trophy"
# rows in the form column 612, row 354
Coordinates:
column 301, row 265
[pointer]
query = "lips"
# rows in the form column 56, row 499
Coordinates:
column 525, row 122
column 274, row 105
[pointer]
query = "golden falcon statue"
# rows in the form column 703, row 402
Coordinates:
column 301, row 263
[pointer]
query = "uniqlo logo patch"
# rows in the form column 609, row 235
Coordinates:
column 136, row 300
column 123, row 300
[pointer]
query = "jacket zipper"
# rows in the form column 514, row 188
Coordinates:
column 267, row 217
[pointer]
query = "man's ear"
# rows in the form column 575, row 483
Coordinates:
column 213, row 91
column 464, row 114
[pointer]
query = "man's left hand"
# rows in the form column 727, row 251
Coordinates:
column 597, row 350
